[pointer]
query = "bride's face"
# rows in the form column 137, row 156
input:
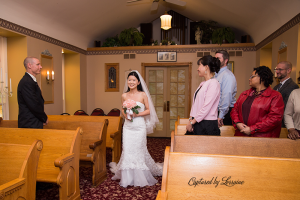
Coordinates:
column 132, row 82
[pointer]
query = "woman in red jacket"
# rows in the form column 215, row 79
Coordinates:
column 258, row 111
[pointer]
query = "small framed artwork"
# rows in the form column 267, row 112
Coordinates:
column 111, row 77
column 230, row 66
column 167, row 56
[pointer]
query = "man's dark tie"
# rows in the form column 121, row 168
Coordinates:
column 279, row 86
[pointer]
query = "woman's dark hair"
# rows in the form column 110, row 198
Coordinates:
column 212, row 62
column 265, row 74
column 139, row 87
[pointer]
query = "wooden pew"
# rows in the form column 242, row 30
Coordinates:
column 182, row 120
column 180, row 129
column 227, row 131
column 93, row 142
column 18, row 168
column 202, row 176
column 284, row 133
column 114, row 130
column 243, row 146
column 59, row 160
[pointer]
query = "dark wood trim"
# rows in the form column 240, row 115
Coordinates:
column 193, row 48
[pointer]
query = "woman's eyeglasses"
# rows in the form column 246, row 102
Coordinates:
column 252, row 76
column 277, row 69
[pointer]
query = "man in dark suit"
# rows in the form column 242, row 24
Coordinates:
column 286, row 85
column 30, row 99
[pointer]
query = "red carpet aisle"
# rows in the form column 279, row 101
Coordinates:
column 110, row 189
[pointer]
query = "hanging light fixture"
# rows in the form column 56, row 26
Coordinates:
column 165, row 21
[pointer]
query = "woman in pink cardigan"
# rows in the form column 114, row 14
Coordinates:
column 204, row 112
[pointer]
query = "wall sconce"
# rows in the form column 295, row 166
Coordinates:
column 52, row 75
column 47, row 77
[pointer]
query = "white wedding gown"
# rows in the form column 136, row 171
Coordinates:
column 136, row 167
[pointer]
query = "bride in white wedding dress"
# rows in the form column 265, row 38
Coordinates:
column 136, row 167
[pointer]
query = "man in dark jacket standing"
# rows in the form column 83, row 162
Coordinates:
column 30, row 99
column 286, row 85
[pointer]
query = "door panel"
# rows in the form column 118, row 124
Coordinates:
column 178, row 95
column 168, row 87
column 156, row 81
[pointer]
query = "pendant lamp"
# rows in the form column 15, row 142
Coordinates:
column 165, row 21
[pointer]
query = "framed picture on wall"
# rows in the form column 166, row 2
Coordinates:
column 111, row 77
column 167, row 56
column 230, row 66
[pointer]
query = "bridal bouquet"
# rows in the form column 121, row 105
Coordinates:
column 130, row 107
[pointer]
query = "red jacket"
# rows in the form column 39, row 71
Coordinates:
column 265, row 115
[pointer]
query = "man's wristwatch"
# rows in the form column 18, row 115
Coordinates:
column 190, row 118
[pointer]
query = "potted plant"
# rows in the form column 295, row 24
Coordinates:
column 223, row 34
column 111, row 42
column 208, row 28
column 130, row 37
column 164, row 41
column 155, row 43
column 167, row 41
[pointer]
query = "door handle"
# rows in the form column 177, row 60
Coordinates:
column 168, row 106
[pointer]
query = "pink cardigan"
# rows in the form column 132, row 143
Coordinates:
column 205, row 106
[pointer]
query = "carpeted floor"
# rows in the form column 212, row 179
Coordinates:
column 110, row 189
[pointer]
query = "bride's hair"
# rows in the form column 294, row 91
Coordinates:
column 139, row 87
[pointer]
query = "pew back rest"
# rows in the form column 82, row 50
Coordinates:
column 263, row 178
column 227, row 131
column 244, row 146
column 180, row 128
column 284, row 133
column 182, row 120
column 114, row 123
column 56, row 143
column 8, row 123
column 92, row 131
column 19, row 169
column 13, row 158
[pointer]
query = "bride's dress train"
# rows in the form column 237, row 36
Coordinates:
column 136, row 167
